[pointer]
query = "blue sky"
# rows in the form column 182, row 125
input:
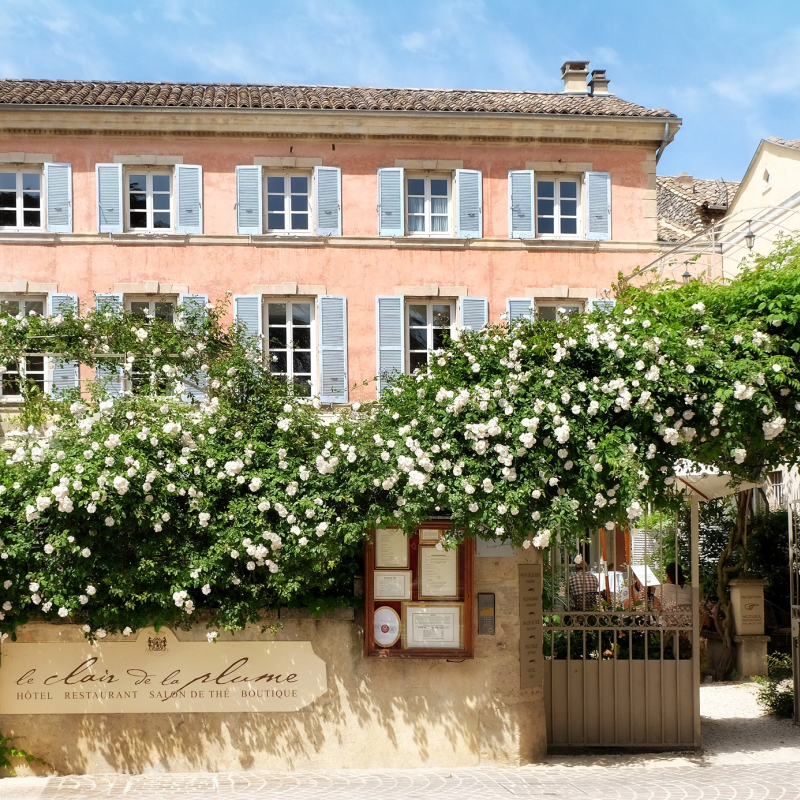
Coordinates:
column 729, row 68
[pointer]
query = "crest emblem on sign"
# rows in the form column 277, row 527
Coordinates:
column 157, row 644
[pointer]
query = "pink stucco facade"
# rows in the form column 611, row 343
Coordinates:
column 359, row 264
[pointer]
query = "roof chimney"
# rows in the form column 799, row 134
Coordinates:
column 574, row 75
column 599, row 83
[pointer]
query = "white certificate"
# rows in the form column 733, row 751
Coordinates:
column 438, row 572
column 430, row 535
column 392, row 585
column 391, row 549
column 432, row 627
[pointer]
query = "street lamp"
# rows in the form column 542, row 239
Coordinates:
column 749, row 237
column 686, row 274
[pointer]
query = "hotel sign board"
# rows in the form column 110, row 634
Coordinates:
column 156, row 673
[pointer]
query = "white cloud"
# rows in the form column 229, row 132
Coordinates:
column 415, row 42
column 604, row 57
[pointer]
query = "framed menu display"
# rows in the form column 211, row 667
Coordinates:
column 432, row 626
column 391, row 549
column 418, row 598
column 392, row 584
column 438, row 573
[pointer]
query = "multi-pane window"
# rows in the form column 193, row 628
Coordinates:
column 141, row 374
column 428, row 205
column 557, row 204
column 20, row 200
column 30, row 368
column 288, row 203
column 556, row 311
column 289, row 342
column 430, row 327
column 149, row 198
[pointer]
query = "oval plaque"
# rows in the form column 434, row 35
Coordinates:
column 387, row 626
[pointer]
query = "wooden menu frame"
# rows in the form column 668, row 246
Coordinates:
column 465, row 599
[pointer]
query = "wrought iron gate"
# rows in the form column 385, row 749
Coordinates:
column 620, row 671
column 794, row 593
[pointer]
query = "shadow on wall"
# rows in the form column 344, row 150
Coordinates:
column 398, row 714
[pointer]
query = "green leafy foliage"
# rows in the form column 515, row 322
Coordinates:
column 776, row 692
column 120, row 512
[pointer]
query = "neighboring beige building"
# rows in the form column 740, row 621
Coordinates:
column 767, row 202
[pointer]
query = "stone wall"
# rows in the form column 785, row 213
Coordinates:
column 377, row 713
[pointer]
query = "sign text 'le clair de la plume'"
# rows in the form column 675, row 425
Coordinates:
column 158, row 674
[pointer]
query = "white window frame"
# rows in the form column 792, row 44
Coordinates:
column 152, row 301
column 557, row 180
column 21, row 366
column 428, row 177
column 266, row 300
column 19, row 170
column 287, row 175
column 429, row 303
column 149, row 172
column 571, row 307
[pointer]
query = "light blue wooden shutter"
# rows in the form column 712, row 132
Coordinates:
column 469, row 197
column 109, row 371
column 189, row 191
column 333, row 349
column 520, row 204
column 391, row 205
column 328, row 205
column 598, row 205
column 519, row 308
column 391, row 338
column 64, row 374
column 109, row 198
column 595, row 304
column 474, row 312
column 247, row 313
column 194, row 303
column 248, row 200
column 58, row 194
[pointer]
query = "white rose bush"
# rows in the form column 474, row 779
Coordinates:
column 162, row 506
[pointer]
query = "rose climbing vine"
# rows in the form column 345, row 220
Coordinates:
column 162, row 506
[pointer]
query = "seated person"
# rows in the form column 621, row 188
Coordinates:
column 674, row 596
column 583, row 587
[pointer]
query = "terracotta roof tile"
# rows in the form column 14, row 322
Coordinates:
column 687, row 205
column 351, row 98
column 795, row 143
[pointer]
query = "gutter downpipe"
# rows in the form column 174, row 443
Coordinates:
column 668, row 137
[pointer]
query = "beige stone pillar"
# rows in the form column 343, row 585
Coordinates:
column 747, row 602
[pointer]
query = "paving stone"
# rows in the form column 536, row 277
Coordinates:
column 653, row 780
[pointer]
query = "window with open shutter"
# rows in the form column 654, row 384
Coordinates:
column 604, row 304
column 247, row 313
column 63, row 374
column 189, row 190
column 598, row 205
column 474, row 312
column 390, row 338
column 328, row 188
column 333, row 349
column 192, row 308
column 109, row 198
column 520, row 204
column 109, row 370
column 469, row 223
column 391, row 215
column 248, row 200
column 519, row 308
column 58, row 196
